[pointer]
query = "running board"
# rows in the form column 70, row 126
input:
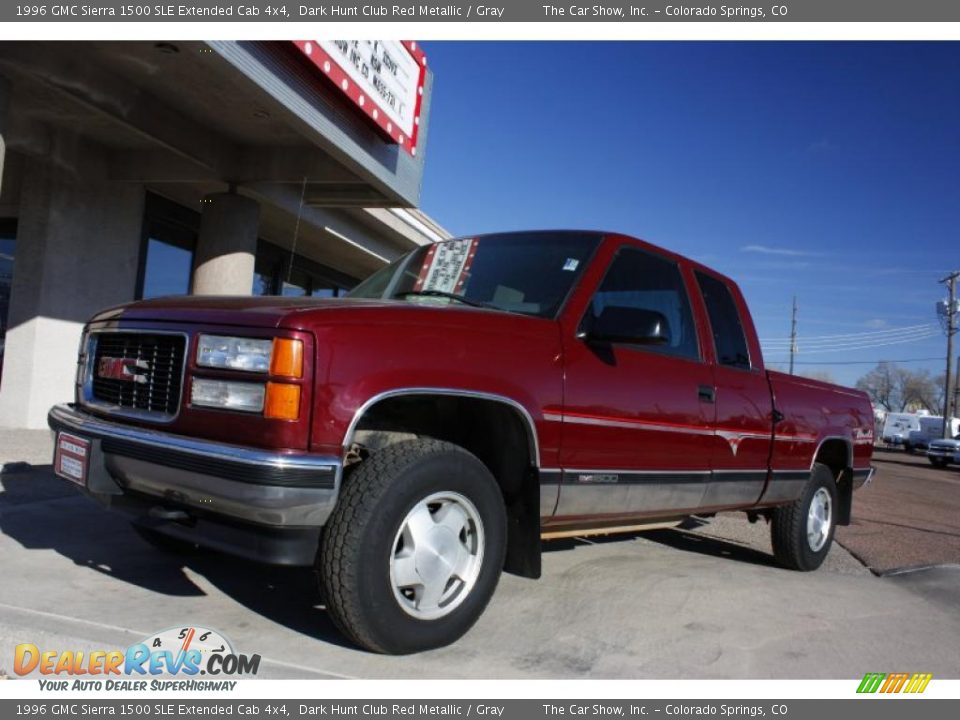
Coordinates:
column 608, row 530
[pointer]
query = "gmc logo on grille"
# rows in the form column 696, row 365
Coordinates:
column 124, row 369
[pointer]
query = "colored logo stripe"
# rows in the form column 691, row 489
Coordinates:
column 894, row 682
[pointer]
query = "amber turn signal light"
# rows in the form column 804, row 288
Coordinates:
column 282, row 401
column 287, row 358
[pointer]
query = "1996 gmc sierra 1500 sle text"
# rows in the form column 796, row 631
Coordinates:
column 419, row 436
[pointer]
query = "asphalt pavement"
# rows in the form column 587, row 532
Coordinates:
column 702, row 603
column 909, row 517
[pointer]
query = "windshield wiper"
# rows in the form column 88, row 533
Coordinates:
column 449, row 295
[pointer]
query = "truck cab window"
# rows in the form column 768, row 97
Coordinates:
column 729, row 339
column 638, row 280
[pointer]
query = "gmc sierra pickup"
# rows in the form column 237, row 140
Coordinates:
column 471, row 399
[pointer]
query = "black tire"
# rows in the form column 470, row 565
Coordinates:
column 938, row 462
column 908, row 448
column 165, row 543
column 788, row 528
column 359, row 542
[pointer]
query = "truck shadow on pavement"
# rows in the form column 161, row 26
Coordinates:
column 41, row 512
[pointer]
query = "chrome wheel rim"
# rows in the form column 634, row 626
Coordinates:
column 818, row 519
column 437, row 555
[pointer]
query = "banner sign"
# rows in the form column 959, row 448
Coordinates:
column 383, row 78
column 446, row 266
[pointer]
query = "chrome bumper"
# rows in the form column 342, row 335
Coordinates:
column 204, row 478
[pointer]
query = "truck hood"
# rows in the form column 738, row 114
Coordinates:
column 269, row 312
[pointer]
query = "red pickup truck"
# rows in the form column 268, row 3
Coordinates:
column 462, row 404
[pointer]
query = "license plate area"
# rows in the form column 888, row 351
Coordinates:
column 71, row 459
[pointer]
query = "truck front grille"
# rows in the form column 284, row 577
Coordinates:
column 137, row 372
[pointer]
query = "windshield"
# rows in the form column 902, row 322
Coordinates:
column 530, row 273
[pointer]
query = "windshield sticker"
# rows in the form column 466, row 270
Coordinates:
column 447, row 266
column 571, row 264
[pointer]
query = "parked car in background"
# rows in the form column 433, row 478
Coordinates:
column 931, row 428
column 897, row 426
column 943, row 452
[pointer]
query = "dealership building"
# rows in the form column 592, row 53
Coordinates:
column 131, row 170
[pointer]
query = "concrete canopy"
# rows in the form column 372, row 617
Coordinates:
column 202, row 115
column 90, row 128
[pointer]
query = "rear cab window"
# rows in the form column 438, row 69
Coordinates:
column 729, row 338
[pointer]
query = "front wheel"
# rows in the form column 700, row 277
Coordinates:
column 413, row 550
column 938, row 462
column 802, row 532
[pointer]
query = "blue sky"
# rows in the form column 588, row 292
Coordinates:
column 826, row 170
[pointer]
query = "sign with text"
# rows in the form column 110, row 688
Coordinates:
column 446, row 266
column 383, row 78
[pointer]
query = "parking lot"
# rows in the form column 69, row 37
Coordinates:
column 705, row 602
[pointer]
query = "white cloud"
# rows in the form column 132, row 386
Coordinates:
column 766, row 250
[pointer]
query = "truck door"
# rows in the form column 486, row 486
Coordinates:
column 635, row 427
column 744, row 429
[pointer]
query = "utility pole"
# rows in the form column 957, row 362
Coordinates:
column 950, row 317
column 956, row 390
column 793, row 334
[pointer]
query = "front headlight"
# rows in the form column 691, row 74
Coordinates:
column 247, row 397
column 234, row 353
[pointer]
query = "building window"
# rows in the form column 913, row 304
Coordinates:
column 170, row 233
column 169, row 242
column 274, row 275
column 8, row 237
column 167, row 269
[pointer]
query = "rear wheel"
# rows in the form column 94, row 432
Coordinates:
column 802, row 532
column 413, row 550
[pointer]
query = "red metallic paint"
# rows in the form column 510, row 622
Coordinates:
column 363, row 348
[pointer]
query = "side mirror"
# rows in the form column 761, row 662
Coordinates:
column 630, row 325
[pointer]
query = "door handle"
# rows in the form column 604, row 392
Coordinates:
column 707, row 393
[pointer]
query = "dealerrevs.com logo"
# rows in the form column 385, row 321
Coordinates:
column 183, row 652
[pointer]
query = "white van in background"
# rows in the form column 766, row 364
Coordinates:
column 897, row 427
column 931, row 428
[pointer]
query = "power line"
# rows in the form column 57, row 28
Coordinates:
column 840, row 347
column 853, row 345
column 853, row 336
column 855, row 362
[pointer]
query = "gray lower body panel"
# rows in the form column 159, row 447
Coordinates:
column 254, row 503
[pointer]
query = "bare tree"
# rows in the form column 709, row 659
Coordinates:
column 918, row 390
column 880, row 385
column 898, row 389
